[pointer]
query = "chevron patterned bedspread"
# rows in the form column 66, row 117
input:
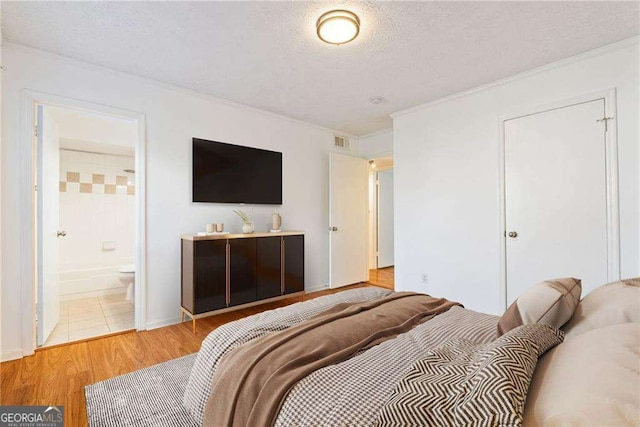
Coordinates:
column 466, row 384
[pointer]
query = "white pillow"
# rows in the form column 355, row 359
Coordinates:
column 590, row 380
column 611, row 304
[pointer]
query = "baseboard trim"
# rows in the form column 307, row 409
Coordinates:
column 11, row 355
column 316, row 289
column 162, row 323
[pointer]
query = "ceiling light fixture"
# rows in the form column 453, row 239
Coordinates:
column 376, row 99
column 372, row 163
column 338, row 27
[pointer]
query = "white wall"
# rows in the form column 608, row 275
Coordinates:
column 446, row 157
column 378, row 144
column 88, row 131
column 173, row 117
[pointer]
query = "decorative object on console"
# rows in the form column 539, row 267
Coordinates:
column 276, row 223
column 247, row 226
column 215, row 233
column 210, row 228
column 219, row 227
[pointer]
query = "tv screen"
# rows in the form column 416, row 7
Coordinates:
column 226, row 173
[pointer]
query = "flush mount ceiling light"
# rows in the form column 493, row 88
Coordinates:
column 338, row 27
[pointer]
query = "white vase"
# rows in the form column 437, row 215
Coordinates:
column 276, row 222
column 247, row 228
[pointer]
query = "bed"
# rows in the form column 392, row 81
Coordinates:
column 443, row 365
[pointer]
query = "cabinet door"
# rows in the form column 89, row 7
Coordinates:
column 293, row 264
column 268, row 266
column 242, row 271
column 209, row 267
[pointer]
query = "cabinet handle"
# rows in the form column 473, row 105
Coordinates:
column 228, row 274
column 282, row 266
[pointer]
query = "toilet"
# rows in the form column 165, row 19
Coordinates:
column 127, row 276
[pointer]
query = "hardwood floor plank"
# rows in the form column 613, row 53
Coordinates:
column 8, row 375
column 383, row 277
column 58, row 375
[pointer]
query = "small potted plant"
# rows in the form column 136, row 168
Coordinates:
column 247, row 222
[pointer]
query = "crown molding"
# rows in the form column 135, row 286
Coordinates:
column 633, row 41
column 167, row 86
column 376, row 133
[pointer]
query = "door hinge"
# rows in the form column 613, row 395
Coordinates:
column 35, row 188
column 606, row 122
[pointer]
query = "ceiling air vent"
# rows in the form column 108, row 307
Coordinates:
column 340, row 141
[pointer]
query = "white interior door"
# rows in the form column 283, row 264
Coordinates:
column 385, row 218
column 348, row 203
column 555, row 197
column 47, row 225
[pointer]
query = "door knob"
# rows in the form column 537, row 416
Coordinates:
column 333, row 228
column 513, row 234
column 62, row 233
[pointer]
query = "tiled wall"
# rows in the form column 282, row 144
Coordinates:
column 97, row 211
column 98, row 183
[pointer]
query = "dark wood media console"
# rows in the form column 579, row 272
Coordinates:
column 228, row 272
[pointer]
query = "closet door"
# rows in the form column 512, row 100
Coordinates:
column 555, row 197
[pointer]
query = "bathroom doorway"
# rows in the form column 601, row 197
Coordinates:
column 87, row 216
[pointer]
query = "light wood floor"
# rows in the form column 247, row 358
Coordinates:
column 383, row 277
column 58, row 375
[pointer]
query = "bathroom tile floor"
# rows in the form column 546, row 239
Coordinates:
column 91, row 317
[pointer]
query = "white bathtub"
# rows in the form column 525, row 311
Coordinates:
column 89, row 282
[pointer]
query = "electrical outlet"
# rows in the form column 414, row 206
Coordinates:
column 425, row 278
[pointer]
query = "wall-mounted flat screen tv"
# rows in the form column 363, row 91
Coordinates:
column 226, row 173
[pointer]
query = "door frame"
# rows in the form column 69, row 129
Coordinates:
column 28, row 152
column 611, row 178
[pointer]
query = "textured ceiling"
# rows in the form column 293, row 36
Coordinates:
column 266, row 54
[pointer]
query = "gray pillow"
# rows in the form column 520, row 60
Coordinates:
column 551, row 302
